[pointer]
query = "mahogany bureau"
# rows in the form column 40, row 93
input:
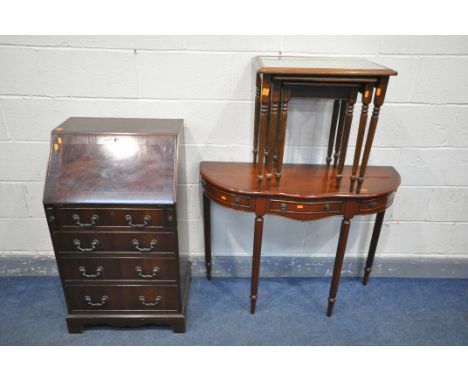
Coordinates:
column 110, row 202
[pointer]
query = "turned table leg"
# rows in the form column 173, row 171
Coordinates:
column 257, row 249
column 366, row 98
column 344, row 142
column 207, row 232
column 379, row 97
column 373, row 245
column 74, row 326
column 339, row 133
column 262, row 134
column 273, row 128
column 340, row 251
column 331, row 137
column 285, row 97
column 256, row 116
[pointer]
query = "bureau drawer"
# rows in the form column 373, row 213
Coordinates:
column 122, row 298
column 118, row 269
column 373, row 205
column 133, row 242
column 121, row 218
column 231, row 200
column 305, row 210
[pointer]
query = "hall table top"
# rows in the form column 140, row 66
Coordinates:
column 300, row 65
column 299, row 181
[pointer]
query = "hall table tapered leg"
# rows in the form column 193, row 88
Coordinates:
column 306, row 192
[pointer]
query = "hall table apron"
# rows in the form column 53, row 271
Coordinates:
column 306, row 192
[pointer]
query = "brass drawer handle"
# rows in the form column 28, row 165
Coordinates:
column 373, row 204
column 76, row 220
column 156, row 302
column 103, row 301
column 283, row 207
column 94, row 245
column 98, row 273
column 136, row 244
column 146, row 221
column 327, row 207
column 139, row 271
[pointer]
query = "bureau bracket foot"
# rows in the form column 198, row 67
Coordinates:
column 76, row 323
column 74, row 328
column 179, row 327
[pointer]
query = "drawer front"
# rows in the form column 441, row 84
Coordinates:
column 118, row 269
column 136, row 243
column 228, row 199
column 373, row 205
column 98, row 218
column 305, row 210
column 122, row 298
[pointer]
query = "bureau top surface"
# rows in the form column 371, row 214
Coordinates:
column 320, row 66
column 299, row 180
column 130, row 126
column 113, row 161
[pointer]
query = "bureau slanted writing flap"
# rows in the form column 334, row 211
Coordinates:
column 113, row 161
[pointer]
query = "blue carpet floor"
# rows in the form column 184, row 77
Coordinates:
column 290, row 311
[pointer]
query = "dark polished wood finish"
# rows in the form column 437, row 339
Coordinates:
column 285, row 97
column 257, row 248
column 373, row 246
column 340, row 79
column 319, row 66
column 118, row 269
column 378, row 102
column 366, row 98
column 339, row 134
column 263, row 124
column 306, row 192
column 207, row 233
column 273, row 128
column 331, row 138
column 340, row 252
column 110, row 201
column 258, row 84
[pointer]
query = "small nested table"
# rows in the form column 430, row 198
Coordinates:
column 306, row 192
column 281, row 78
